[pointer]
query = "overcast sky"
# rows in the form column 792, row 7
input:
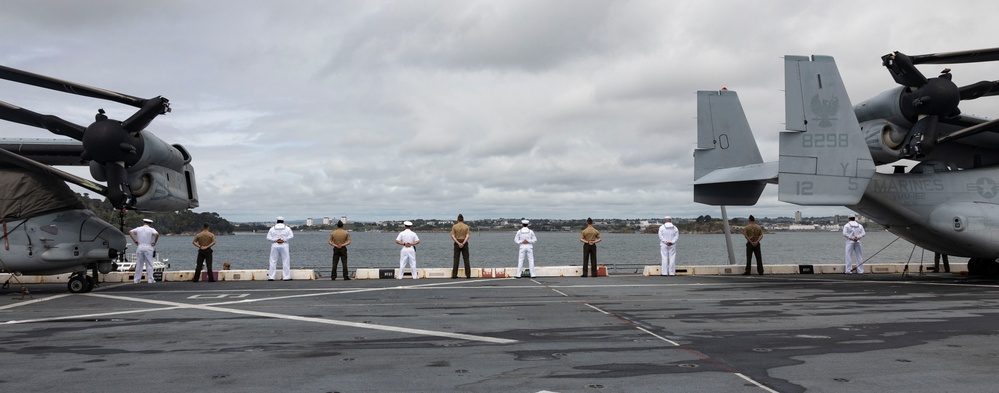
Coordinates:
column 381, row 110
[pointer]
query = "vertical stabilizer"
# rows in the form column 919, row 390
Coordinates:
column 824, row 159
column 724, row 139
column 728, row 168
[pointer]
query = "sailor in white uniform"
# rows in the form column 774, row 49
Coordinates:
column 853, row 232
column 408, row 240
column 145, row 238
column 668, row 235
column 526, row 239
column 279, row 235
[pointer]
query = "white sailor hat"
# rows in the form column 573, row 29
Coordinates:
column 668, row 218
column 407, row 223
column 149, row 220
column 525, row 222
column 280, row 218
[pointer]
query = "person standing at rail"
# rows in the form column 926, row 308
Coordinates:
column 668, row 235
column 853, row 232
column 279, row 235
column 590, row 237
column 339, row 239
column 408, row 240
column 145, row 238
column 459, row 235
column 204, row 241
column 526, row 239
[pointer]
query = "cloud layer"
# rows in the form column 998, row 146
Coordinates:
column 398, row 110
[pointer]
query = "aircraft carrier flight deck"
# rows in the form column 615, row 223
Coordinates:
column 771, row 333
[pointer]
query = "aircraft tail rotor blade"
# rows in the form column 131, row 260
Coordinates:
column 43, row 81
column 968, row 56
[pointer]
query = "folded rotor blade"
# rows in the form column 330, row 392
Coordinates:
column 52, row 123
column 16, row 159
column 969, row 131
column 980, row 89
column 903, row 70
column 968, row 56
column 43, row 81
column 138, row 121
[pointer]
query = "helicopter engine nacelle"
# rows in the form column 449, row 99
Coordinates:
column 884, row 140
column 162, row 179
column 885, row 124
column 158, row 188
column 886, row 106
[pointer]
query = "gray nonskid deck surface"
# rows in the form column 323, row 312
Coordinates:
column 790, row 333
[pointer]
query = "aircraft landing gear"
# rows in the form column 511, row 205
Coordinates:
column 80, row 282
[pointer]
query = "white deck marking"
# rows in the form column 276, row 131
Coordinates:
column 214, row 307
column 32, row 301
column 646, row 331
column 397, row 329
column 759, row 385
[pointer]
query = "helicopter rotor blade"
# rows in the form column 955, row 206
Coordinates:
column 969, row 131
column 153, row 107
column 16, row 159
column 43, row 81
column 903, row 70
column 54, row 124
column 968, row 56
column 979, row 89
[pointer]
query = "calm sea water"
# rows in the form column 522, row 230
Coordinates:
column 621, row 253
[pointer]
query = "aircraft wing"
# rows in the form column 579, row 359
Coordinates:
column 824, row 159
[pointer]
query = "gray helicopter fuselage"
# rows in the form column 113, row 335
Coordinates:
column 954, row 212
column 59, row 242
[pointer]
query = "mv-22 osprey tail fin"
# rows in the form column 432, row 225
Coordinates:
column 823, row 156
column 728, row 168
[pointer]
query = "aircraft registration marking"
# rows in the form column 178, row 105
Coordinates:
column 811, row 140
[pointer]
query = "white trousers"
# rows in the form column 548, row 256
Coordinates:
column 144, row 261
column 407, row 255
column 853, row 248
column 280, row 251
column 668, row 267
column 526, row 252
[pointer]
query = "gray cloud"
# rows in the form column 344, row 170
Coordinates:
column 384, row 109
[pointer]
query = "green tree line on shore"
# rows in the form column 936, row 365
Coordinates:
column 167, row 223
